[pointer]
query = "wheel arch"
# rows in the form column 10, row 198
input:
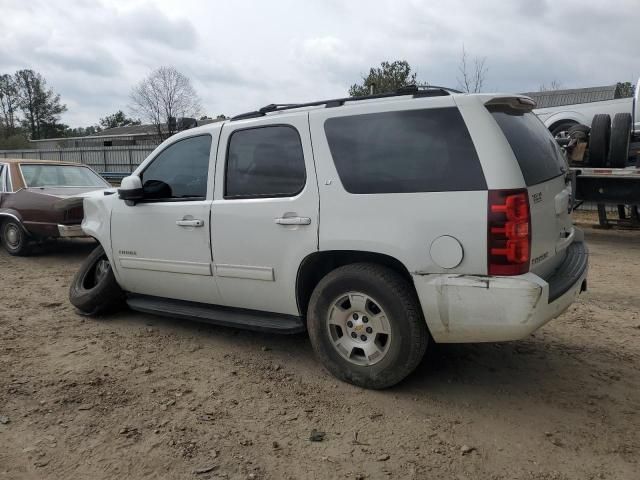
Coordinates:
column 318, row 264
column 12, row 214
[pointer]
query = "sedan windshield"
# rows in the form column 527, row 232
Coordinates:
column 40, row 175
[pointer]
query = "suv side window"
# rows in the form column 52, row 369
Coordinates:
column 180, row 171
column 265, row 162
column 426, row 150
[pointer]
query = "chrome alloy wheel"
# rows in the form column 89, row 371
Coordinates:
column 359, row 329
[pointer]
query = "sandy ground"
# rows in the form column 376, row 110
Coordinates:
column 137, row 396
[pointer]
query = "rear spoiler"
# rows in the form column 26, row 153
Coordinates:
column 520, row 103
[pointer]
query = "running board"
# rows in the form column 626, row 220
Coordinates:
column 228, row 317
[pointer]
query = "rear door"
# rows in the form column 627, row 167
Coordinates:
column 265, row 214
column 544, row 169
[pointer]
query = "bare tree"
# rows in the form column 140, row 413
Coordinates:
column 163, row 95
column 472, row 76
column 554, row 85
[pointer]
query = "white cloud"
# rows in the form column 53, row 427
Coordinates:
column 245, row 54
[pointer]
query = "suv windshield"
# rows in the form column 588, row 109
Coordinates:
column 533, row 145
column 40, row 175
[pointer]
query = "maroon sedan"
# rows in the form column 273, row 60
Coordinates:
column 29, row 190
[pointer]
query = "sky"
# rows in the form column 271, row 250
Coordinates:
column 241, row 55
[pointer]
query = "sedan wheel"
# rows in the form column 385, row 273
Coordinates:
column 14, row 238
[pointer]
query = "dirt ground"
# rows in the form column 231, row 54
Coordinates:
column 137, row 396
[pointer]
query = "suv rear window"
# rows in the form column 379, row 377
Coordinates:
column 533, row 145
column 404, row 151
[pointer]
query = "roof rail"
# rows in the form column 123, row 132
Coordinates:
column 416, row 90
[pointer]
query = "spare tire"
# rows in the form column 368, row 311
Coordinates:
column 620, row 138
column 599, row 140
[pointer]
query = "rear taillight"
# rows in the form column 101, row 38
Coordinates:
column 509, row 232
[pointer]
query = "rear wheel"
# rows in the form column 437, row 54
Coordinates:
column 366, row 325
column 599, row 140
column 14, row 238
column 94, row 289
column 620, row 138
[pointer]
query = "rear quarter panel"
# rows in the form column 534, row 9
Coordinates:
column 401, row 225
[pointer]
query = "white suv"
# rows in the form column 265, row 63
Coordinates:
column 377, row 224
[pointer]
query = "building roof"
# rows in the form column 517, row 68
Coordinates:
column 144, row 129
column 556, row 98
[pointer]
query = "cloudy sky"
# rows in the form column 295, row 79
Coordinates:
column 244, row 54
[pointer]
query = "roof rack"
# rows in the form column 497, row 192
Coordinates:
column 415, row 90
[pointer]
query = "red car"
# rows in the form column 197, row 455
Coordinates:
column 29, row 190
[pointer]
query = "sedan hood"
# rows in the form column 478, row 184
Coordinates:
column 63, row 192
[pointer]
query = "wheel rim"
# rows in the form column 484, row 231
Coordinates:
column 96, row 273
column 12, row 236
column 359, row 329
column 102, row 269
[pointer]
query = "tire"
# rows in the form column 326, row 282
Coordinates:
column 372, row 291
column 620, row 138
column 599, row 140
column 579, row 132
column 94, row 289
column 14, row 238
column 561, row 127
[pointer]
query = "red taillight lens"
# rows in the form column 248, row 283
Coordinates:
column 509, row 232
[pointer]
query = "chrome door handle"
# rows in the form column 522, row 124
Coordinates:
column 293, row 221
column 190, row 223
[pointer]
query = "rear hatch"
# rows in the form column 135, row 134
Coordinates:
column 545, row 173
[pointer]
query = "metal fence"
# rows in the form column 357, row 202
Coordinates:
column 101, row 159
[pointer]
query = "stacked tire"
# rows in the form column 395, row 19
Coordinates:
column 620, row 139
column 599, row 140
column 609, row 140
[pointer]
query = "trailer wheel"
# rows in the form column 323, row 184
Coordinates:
column 599, row 140
column 620, row 138
column 579, row 132
column 563, row 126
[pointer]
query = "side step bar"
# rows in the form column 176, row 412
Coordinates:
column 228, row 317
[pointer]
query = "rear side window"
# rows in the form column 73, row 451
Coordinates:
column 406, row 151
column 265, row 162
column 533, row 145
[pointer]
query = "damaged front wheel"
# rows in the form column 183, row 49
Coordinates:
column 94, row 289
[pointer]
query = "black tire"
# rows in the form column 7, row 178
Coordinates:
column 599, row 140
column 561, row 127
column 579, row 132
column 408, row 337
column 14, row 238
column 620, row 139
column 92, row 293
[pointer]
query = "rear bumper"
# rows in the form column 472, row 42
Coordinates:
column 466, row 308
column 70, row 231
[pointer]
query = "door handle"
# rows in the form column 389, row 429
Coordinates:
column 190, row 223
column 293, row 221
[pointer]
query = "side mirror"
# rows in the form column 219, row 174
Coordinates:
column 131, row 189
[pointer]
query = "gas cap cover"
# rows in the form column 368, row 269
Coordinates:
column 446, row 251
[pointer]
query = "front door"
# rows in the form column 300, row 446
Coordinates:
column 265, row 211
column 161, row 245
